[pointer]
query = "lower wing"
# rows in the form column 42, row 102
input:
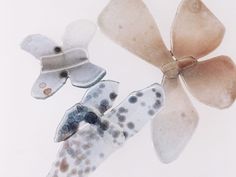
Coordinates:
column 175, row 124
column 82, row 153
column 213, row 81
column 47, row 84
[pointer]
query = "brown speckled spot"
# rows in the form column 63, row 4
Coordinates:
column 47, row 91
column 64, row 165
column 42, row 85
column 73, row 171
column 183, row 114
column 86, row 146
column 87, row 162
column 80, row 172
column 87, row 170
column 120, row 27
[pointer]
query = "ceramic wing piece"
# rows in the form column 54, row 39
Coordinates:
column 60, row 63
column 195, row 33
column 102, row 134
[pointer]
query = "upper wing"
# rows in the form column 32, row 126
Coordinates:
column 38, row 45
column 137, row 109
column 86, row 75
column 174, row 126
column 78, row 34
column 47, row 84
column 81, row 154
column 213, row 81
column 130, row 24
column 195, row 30
column 101, row 96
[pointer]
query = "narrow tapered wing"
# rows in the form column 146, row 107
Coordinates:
column 38, row 45
column 47, row 84
column 174, row 125
column 195, row 30
column 130, row 24
column 137, row 109
column 86, row 75
column 213, row 81
column 101, row 96
column 78, row 34
column 82, row 153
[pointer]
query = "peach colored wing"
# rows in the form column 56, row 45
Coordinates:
column 213, row 81
column 174, row 125
column 130, row 24
column 195, row 30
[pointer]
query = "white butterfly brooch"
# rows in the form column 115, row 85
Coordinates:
column 91, row 133
column 195, row 33
column 62, row 62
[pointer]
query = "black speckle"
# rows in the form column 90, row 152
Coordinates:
column 101, row 155
column 64, row 74
column 151, row 112
column 122, row 110
column 115, row 134
column 57, row 49
column 126, row 134
column 143, row 104
column 121, row 118
column 65, row 128
column 104, row 125
column 88, row 97
column 81, row 108
column 71, row 118
column 113, row 95
column 157, row 104
column 102, row 85
column 133, row 99
column 130, row 125
column 95, row 94
column 91, row 118
column 100, row 131
column 139, row 94
column 154, row 90
column 158, row 95
column 104, row 105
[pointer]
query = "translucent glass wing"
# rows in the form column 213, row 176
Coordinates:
column 101, row 96
column 174, row 125
column 195, row 30
column 130, row 24
column 85, row 151
column 86, row 75
column 38, row 45
column 47, row 84
column 78, row 34
column 213, row 81
column 137, row 109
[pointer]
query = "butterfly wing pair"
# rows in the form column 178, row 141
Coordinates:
column 195, row 32
column 81, row 73
column 89, row 147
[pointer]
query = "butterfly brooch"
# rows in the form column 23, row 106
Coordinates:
column 195, row 33
column 68, row 61
column 90, row 132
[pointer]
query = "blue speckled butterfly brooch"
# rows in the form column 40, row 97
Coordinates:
column 60, row 63
column 91, row 133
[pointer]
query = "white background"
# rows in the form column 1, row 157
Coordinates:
column 27, row 126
